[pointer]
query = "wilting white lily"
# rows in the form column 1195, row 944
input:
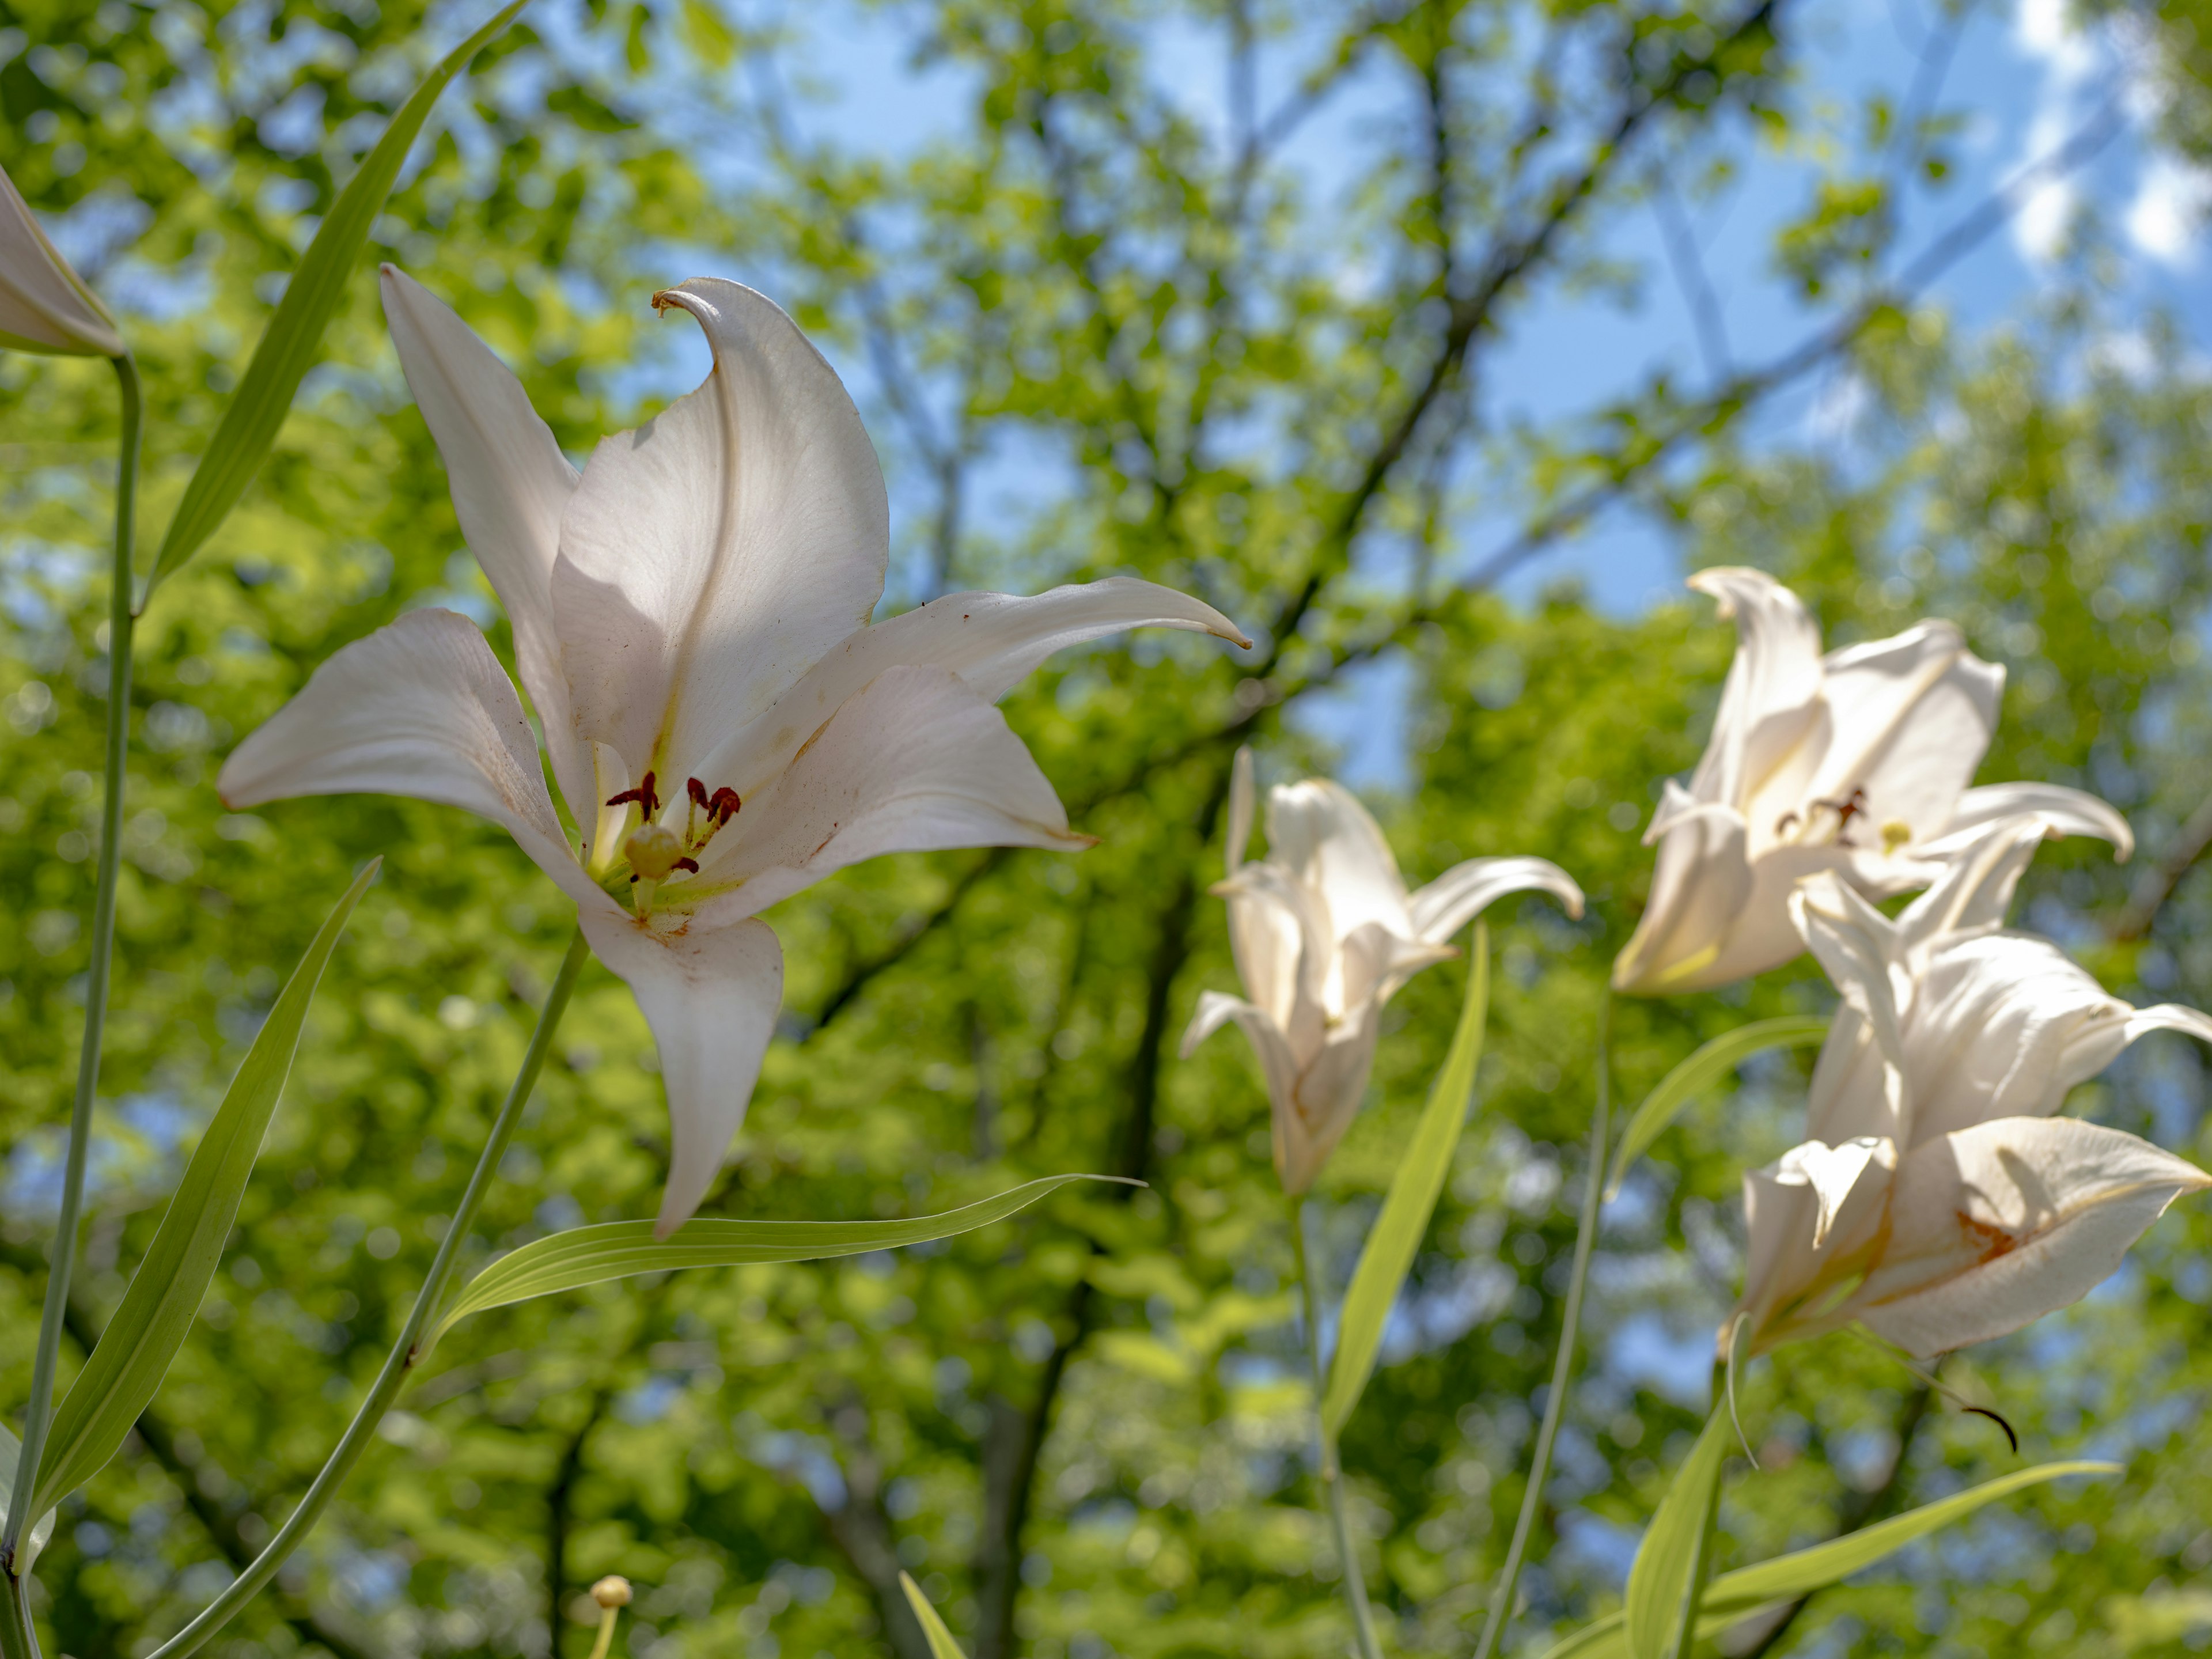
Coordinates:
column 690, row 617
column 1856, row 762
column 45, row 307
column 1324, row 932
column 1937, row 1201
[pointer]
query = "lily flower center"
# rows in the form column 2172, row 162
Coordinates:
column 654, row 849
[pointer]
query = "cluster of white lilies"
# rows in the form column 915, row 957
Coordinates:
column 725, row 724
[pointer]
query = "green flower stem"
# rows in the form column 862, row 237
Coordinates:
column 1563, row 1367
column 399, row 1366
column 1331, row 1476
column 39, row 1415
column 17, row 1638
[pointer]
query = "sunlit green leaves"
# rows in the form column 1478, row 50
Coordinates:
column 288, row 345
column 1659, row 1583
column 618, row 1249
column 1413, row 1200
column 141, row 1340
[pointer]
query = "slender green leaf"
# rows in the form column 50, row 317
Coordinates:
column 295, row 334
column 135, row 1351
column 1660, row 1580
column 1734, row 1594
column 941, row 1644
column 10, row 1449
column 1700, row 1072
column 615, row 1249
column 1413, row 1200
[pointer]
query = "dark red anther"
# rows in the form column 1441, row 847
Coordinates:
column 697, row 791
column 648, row 800
column 725, row 805
column 692, row 864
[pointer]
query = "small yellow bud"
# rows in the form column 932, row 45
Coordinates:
column 653, row 850
column 612, row 1591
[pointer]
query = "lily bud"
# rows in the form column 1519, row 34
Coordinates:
column 45, row 307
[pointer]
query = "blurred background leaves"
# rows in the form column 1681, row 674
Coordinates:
column 1286, row 329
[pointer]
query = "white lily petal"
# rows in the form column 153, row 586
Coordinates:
column 1815, row 1208
column 1374, row 963
column 1699, row 887
column 711, row 557
column 710, row 995
column 44, row 306
column 1463, row 892
column 992, row 640
column 510, row 485
column 1326, row 841
column 2003, row 1223
column 419, row 709
column 1268, row 941
column 916, row 763
column 1910, row 718
column 1768, row 701
column 1856, row 945
column 2069, row 812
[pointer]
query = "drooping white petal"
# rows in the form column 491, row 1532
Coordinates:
column 419, row 709
column 917, row 762
column 2003, row 1223
column 1907, row 720
column 713, row 555
column 45, row 307
column 710, row 995
column 1699, row 887
column 1215, row 1009
column 510, row 485
column 1769, row 701
column 1463, row 892
column 2069, row 812
column 1319, row 833
column 992, row 640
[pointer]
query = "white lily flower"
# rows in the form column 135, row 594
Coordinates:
column 1937, row 1200
column 45, row 307
column 1856, row 762
column 1324, row 932
column 690, row 618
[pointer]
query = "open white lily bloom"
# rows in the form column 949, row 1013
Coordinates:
column 44, row 306
column 690, row 617
column 1937, row 1200
column 1324, row 932
column 1856, row 762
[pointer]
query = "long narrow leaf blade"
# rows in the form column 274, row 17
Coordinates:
column 135, row 1351
column 941, row 1644
column 11, row 1449
column 615, row 1249
column 287, row 348
column 1734, row 1594
column 1659, row 1583
column 1411, row 1200
column 1700, row 1072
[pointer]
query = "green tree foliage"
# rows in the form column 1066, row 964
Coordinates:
column 1086, row 1430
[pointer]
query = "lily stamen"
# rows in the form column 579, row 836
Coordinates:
column 648, row 799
